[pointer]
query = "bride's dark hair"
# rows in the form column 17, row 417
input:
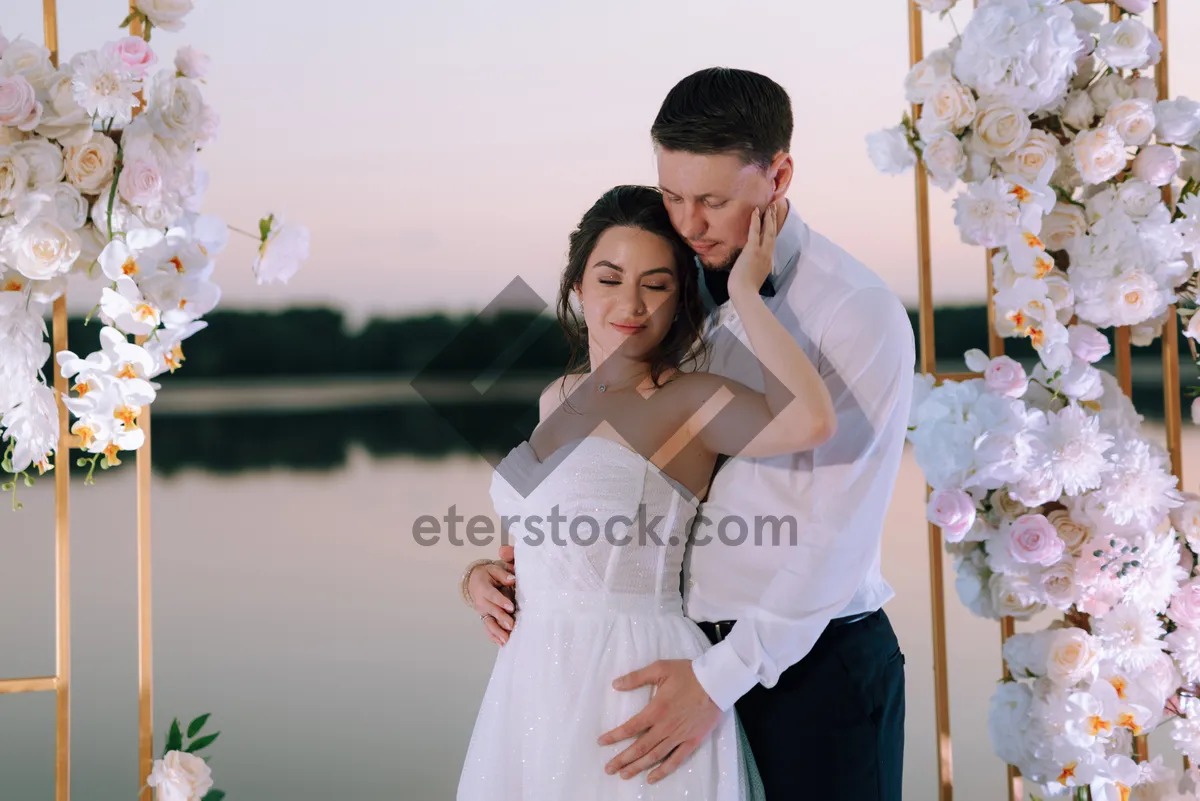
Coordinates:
column 634, row 207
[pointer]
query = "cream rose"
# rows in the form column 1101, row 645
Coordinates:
column 1074, row 657
column 1058, row 585
column 1001, row 128
column 1133, row 119
column 1063, row 226
column 950, row 107
column 44, row 247
column 1013, row 597
column 1008, row 506
column 63, row 119
column 1099, row 154
column 14, row 178
column 1073, row 533
column 18, row 103
column 179, row 776
column 1157, row 165
column 1110, row 90
column 90, row 166
column 1035, row 160
column 166, row 14
column 945, row 159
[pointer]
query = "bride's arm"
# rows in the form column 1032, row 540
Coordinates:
column 795, row 413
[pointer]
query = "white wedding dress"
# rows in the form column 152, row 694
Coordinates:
column 586, row 614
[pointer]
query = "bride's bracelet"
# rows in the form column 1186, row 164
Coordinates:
column 466, row 577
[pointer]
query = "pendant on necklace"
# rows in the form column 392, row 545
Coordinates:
column 602, row 387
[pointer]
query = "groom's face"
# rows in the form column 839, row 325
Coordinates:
column 710, row 199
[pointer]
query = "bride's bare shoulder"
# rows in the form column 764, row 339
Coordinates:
column 557, row 391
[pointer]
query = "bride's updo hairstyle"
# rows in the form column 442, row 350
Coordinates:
column 634, row 207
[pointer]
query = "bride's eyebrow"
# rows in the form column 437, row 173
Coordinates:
column 656, row 270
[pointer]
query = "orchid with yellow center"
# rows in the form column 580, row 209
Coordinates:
column 166, row 348
column 127, row 310
column 138, row 254
column 183, row 298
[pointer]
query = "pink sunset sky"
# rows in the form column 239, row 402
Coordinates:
column 438, row 150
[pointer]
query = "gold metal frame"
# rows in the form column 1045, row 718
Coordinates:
column 60, row 682
column 1171, row 409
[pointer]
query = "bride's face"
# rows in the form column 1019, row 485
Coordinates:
column 629, row 292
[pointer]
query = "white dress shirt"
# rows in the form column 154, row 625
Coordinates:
column 783, row 593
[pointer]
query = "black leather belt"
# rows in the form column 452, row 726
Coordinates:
column 720, row 629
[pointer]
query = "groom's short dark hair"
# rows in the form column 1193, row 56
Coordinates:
column 724, row 110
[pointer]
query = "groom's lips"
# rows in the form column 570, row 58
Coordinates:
column 703, row 247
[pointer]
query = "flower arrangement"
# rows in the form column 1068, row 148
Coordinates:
column 100, row 177
column 1045, row 488
column 181, row 775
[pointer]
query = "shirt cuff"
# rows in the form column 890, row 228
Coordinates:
column 723, row 675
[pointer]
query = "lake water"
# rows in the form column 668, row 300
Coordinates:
column 292, row 602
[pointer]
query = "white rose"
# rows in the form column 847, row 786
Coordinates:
column 1186, row 518
column 72, row 208
column 1063, row 226
column 1001, row 128
column 44, row 248
column 1178, row 121
column 1035, row 160
column 1058, row 585
column 1128, row 44
column 166, row 14
column 1110, row 90
column 191, row 63
column 936, row 6
column 1087, row 344
column 944, row 157
column 1099, row 154
column 1133, row 119
column 1074, row 657
column 63, row 119
column 1079, row 111
column 141, row 182
column 174, row 107
column 14, row 178
column 179, row 776
column 25, row 57
column 950, row 107
column 90, row 166
column 45, row 161
column 1138, row 198
column 1008, row 723
column 890, row 151
column 952, row 511
column 18, row 103
column 979, row 164
column 1135, row 6
column 1013, row 597
column 1144, row 87
column 1156, row 164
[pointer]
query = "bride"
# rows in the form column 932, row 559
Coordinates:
column 634, row 439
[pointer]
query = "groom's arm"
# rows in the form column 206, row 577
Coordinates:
column 867, row 360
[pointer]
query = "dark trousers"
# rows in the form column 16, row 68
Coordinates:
column 832, row 728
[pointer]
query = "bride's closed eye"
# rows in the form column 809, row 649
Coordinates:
column 656, row 287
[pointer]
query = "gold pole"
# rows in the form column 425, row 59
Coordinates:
column 144, row 589
column 916, row 51
column 62, row 512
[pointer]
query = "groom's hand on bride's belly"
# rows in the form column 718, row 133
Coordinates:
column 677, row 719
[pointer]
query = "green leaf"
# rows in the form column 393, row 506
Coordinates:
column 196, row 725
column 174, row 738
column 264, row 227
column 213, row 795
column 125, row 22
column 28, row 480
column 203, row 742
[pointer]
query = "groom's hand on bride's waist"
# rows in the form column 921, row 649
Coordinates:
column 677, row 719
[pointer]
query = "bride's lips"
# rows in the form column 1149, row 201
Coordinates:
column 627, row 329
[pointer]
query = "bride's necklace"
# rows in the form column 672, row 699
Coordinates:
column 636, row 382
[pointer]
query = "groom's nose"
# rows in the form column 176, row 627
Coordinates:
column 692, row 224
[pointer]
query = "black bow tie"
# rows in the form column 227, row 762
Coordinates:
column 717, row 284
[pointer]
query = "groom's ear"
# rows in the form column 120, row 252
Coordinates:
column 780, row 172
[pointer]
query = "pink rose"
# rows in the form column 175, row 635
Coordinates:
column 1005, row 376
column 953, row 512
column 1087, row 343
column 140, row 182
column 18, row 103
column 1156, row 164
column 1135, row 6
column 135, row 54
column 1033, row 540
column 1185, row 605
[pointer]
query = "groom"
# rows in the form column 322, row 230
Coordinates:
column 802, row 646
